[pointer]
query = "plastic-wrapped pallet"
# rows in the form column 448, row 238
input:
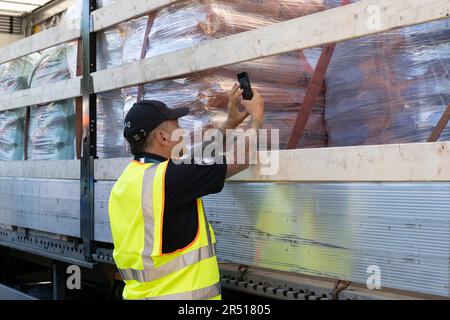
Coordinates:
column 110, row 115
column 12, row 134
column 189, row 23
column 52, row 126
column 206, row 96
column 115, row 46
column 110, row 43
column 389, row 88
column 47, row 24
column 110, row 46
column 73, row 12
column 121, row 43
column 282, row 79
column 14, row 76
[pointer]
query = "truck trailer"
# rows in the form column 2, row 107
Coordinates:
column 338, row 219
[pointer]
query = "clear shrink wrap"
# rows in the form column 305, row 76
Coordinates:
column 121, row 43
column 188, row 23
column 134, row 39
column 110, row 47
column 48, row 23
column 13, row 77
column 72, row 13
column 282, row 79
column 52, row 126
column 115, row 46
column 389, row 88
column 52, row 131
column 110, row 115
column 12, row 134
column 110, row 43
column 206, row 96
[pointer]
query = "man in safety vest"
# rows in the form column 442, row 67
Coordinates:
column 164, row 246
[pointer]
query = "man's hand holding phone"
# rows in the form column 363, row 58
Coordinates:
column 255, row 108
column 235, row 117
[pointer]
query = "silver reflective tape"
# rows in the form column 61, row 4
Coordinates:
column 147, row 211
column 208, row 231
column 131, row 274
column 150, row 273
column 187, row 259
column 200, row 294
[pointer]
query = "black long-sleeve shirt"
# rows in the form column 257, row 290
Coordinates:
column 184, row 184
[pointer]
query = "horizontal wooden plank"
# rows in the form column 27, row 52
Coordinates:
column 122, row 10
column 52, row 92
column 62, row 33
column 390, row 163
column 385, row 163
column 356, row 20
column 49, row 169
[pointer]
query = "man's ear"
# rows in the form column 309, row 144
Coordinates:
column 161, row 137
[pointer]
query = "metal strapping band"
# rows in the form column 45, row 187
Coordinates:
column 200, row 294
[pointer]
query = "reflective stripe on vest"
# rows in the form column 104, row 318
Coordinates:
column 204, row 293
column 151, row 273
column 148, row 265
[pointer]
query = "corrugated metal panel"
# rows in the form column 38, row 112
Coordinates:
column 339, row 230
column 333, row 230
column 46, row 205
column 102, row 230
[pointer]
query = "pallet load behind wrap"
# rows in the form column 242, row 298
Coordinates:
column 389, row 88
column 282, row 80
column 110, row 105
column 13, row 77
column 52, row 125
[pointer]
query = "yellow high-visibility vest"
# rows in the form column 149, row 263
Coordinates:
column 136, row 210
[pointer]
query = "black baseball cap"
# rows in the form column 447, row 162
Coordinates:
column 147, row 115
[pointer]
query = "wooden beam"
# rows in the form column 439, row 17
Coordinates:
column 150, row 20
column 352, row 21
column 122, row 10
column 45, row 169
column 440, row 126
column 385, row 163
column 314, row 87
column 60, row 90
column 62, row 33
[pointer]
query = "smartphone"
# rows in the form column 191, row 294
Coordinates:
column 244, row 81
